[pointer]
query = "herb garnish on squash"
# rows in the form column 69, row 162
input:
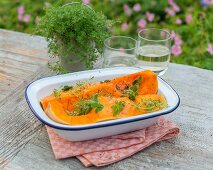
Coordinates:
column 88, row 102
column 86, row 82
column 84, row 106
column 151, row 104
column 132, row 92
column 66, row 88
column 117, row 107
column 56, row 93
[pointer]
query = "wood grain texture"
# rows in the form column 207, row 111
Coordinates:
column 23, row 44
column 17, row 123
column 192, row 149
column 24, row 143
column 21, row 55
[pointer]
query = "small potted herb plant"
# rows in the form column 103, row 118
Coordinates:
column 75, row 34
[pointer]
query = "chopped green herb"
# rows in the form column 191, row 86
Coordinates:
column 132, row 92
column 149, row 108
column 70, row 113
column 105, row 81
column 85, row 82
column 81, row 83
column 95, row 97
column 66, row 88
column 56, row 93
column 151, row 104
column 117, row 107
column 137, row 106
column 84, row 106
column 137, row 81
column 91, row 78
column 95, row 104
column 134, row 88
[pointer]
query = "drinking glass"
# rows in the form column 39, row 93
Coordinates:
column 154, row 50
column 119, row 51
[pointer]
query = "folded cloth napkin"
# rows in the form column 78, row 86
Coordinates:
column 105, row 151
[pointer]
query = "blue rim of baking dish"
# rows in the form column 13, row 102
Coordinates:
column 118, row 122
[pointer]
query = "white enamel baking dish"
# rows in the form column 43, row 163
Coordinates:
column 43, row 87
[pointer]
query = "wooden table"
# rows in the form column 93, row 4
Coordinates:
column 24, row 143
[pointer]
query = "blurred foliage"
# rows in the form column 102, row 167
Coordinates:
column 195, row 36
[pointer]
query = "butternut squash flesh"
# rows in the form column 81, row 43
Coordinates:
column 122, row 97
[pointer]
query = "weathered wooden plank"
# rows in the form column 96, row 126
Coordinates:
column 16, row 61
column 20, row 56
column 14, row 69
column 35, row 152
column 33, row 60
column 192, row 149
column 17, row 123
column 24, row 44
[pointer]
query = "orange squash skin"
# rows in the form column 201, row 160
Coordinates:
column 109, row 92
column 148, row 85
column 55, row 110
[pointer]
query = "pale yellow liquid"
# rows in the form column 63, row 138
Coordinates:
column 153, row 57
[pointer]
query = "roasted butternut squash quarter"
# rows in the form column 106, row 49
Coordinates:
column 122, row 97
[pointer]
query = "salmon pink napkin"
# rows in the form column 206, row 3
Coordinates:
column 105, row 151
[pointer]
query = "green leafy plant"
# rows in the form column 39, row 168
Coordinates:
column 74, row 30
